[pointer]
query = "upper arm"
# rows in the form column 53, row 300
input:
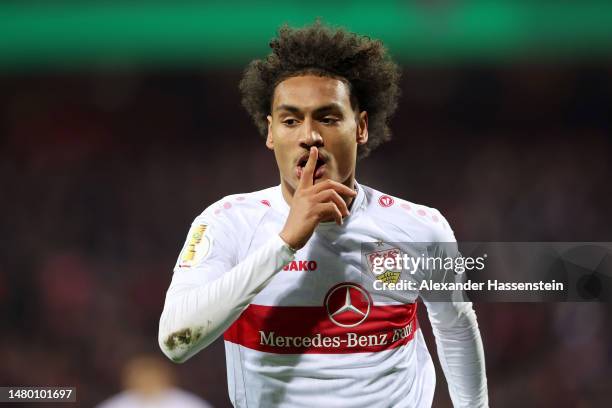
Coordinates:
column 446, row 308
column 210, row 249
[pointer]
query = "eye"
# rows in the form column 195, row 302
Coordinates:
column 290, row 122
column 329, row 120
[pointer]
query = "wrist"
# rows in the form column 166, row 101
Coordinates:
column 288, row 242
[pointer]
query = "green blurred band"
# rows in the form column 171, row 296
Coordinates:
column 231, row 33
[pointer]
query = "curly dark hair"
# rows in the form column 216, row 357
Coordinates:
column 317, row 49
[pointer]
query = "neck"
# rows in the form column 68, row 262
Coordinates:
column 288, row 191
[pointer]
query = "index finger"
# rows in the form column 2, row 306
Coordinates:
column 338, row 187
column 309, row 169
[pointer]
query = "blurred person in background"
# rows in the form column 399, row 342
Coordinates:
column 149, row 382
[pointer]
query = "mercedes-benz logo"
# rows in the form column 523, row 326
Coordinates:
column 347, row 304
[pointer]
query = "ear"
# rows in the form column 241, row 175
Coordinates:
column 269, row 138
column 362, row 128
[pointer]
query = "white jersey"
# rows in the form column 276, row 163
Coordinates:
column 306, row 328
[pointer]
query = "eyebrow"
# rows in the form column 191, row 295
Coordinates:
column 326, row 108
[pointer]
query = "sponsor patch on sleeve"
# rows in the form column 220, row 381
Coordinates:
column 198, row 246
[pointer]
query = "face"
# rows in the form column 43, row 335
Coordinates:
column 316, row 111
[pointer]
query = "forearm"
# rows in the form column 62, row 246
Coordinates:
column 461, row 353
column 195, row 315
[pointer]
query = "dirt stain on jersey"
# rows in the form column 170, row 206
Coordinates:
column 185, row 337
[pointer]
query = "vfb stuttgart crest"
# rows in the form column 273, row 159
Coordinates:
column 387, row 276
column 348, row 304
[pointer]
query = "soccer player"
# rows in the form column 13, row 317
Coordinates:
column 278, row 272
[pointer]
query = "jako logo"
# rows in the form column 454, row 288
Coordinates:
column 301, row 266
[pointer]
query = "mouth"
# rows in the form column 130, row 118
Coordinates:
column 320, row 167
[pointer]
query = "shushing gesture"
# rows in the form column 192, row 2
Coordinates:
column 313, row 203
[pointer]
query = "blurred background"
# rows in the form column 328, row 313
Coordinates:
column 120, row 123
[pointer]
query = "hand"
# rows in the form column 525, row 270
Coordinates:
column 313, row 204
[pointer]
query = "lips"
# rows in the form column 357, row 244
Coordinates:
column 319, row 168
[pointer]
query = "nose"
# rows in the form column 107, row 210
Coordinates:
column 309, row 135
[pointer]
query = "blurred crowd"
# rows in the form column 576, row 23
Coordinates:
column 101, row 174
